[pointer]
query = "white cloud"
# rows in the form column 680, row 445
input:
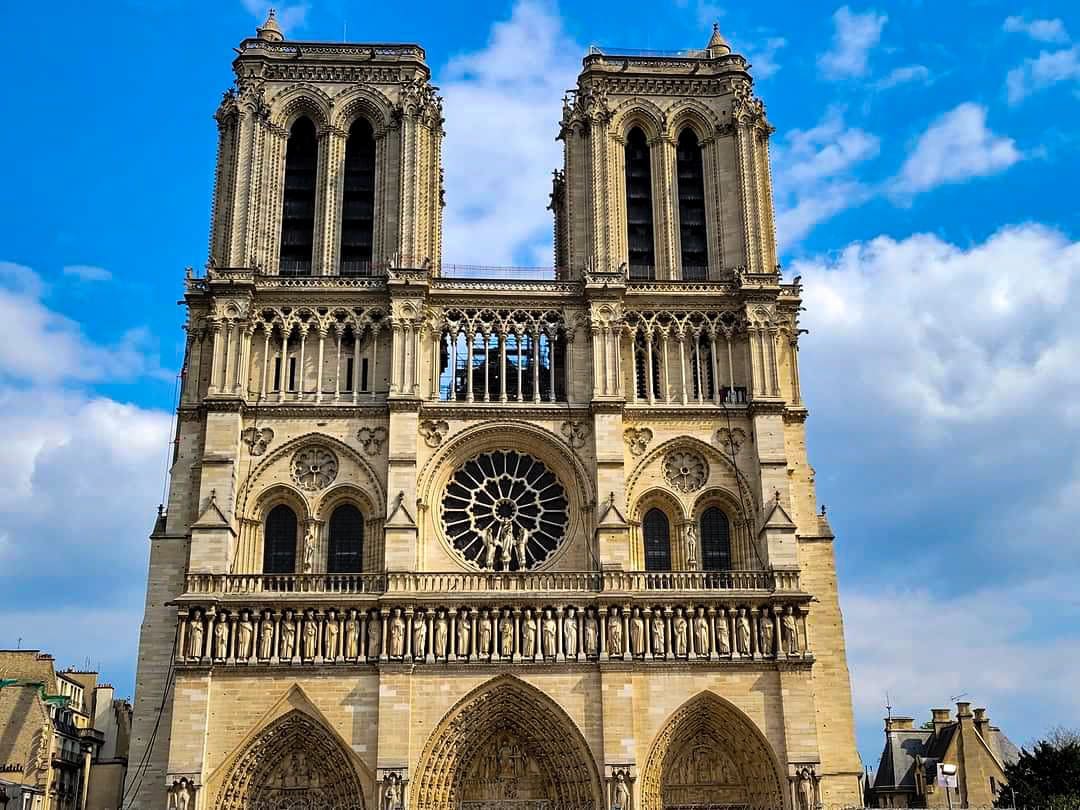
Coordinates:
column 291, row 16
column 87, row 272
column 502, row 117
column 762, row 57
column 903, row 75
column 1047, row 69
column 52, row 346
column 82, row 476
column 942, row 384
column 1039, row 30
column 854, row 36
column 957, row 146
column 814, row 175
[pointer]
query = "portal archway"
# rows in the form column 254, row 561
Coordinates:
column 710, row 755
column 293, row 764
column 508, row 746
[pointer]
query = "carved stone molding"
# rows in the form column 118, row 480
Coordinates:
column 686, row 470
column 257, row 439
column 434, row 431
column 637, row 439
column 314, row 467
column 371, row 439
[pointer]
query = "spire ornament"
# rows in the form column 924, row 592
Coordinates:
column 718, row 46
column 270, row 31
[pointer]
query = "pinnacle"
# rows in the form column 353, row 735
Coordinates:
column 270, row 30
column 717, row 42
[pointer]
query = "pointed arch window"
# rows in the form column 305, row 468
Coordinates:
column 715, row 533
column 279, row 541
column 346, row 541
column 298, row 204
column 358, row 201
column 693, row 240
column 639, row 209
column 657, row 541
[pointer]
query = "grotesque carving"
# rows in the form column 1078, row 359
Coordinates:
column 575, row 432
column 637, row 439
column 730, row 441
column 257, row 439
column 434, row 431
column 371, row 439
column 686, row 470
column 314, row 467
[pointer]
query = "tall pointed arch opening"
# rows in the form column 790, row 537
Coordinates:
column 639, row 208
column 294, row 763
column 298, row 203
column 506, row 736
column 358, row 201
column 707, row 755
column 693, row 242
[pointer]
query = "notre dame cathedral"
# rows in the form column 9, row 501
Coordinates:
column 445, row 537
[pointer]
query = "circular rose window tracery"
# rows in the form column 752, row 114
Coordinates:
column 314, row 467
column 686, row 470
column 504, row 511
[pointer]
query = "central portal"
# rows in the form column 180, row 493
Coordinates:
column 506, row 746
column 506, row 776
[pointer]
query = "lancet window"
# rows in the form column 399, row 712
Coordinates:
column 715, row 534
column 298, row 203
column 358, row 201
column 346, row 548
column 279, row 541
column 657, row 532
column 639, row 210
column 693, row 242
column 489, row 356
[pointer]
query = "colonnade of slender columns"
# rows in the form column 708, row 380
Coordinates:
column 689, row 372
column 519, row 353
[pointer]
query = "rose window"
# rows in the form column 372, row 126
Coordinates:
column 314, row 467
column 504, row 511
column 685, row 470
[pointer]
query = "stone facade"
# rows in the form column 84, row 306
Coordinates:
column 440, row 537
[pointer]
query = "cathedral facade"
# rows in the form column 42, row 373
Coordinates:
column 446, row 537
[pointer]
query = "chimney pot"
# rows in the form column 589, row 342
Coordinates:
column 899, row 723
column 963, row 709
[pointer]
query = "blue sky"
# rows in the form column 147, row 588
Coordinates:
column 925, row 165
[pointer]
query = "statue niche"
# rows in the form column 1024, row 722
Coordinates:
column 701, row 775
column 505, row 774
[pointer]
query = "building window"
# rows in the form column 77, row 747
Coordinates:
column 346, row 541
column 692, row 234
column 279, row 541
column 715, row 533
column 358, row 201
column 657, row 541
column 298, row 205
column 639, row 213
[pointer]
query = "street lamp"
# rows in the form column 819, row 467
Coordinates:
column 947, row 778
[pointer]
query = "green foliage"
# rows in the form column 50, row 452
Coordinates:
column 1047, row 776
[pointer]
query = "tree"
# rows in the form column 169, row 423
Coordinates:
column 1047, row 776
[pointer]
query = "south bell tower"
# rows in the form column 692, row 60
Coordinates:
column 446, row 539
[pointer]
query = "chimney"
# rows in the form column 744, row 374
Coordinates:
column 942, row 718
column 899, row 724
column 982, row 723
column 963, row 711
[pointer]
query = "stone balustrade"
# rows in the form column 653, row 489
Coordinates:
column 433, row 582
column 540, row 631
